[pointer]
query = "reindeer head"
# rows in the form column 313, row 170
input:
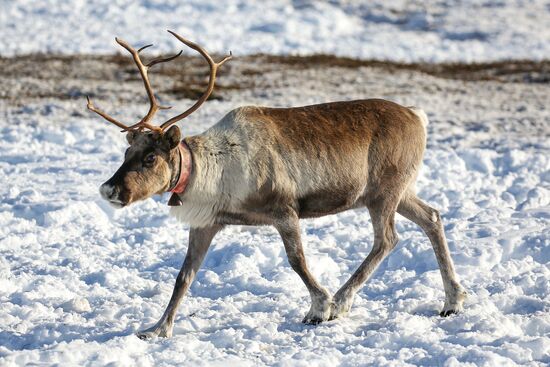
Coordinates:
column 155, row 162
column 151, row 166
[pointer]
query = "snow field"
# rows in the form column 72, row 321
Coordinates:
column 78, row 278
column 402, row 30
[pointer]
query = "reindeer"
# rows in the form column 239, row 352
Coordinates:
column 274, row 166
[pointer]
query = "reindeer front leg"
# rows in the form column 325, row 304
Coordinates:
column 199, row 242
column 289, row 229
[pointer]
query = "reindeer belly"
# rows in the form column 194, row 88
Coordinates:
column 325, row 202
column 330, row 188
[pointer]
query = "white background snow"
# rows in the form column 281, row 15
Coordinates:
column 78, row 278
column 403, row 30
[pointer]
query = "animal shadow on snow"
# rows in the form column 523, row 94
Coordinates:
column 43, row 335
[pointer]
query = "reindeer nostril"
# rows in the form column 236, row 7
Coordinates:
column 106, row 191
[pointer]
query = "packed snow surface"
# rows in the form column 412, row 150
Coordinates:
column 78, row 278
column 400, row 30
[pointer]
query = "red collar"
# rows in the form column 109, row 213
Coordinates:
column 184, row 173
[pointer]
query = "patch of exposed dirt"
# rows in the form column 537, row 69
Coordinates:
column 520, row 71
column 73, row 77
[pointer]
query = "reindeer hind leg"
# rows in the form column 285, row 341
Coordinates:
column 428, row 218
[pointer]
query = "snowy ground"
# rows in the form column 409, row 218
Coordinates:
column 78, row 278
column 404, row 30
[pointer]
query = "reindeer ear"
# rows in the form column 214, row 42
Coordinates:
column 130, row 136
column 172, row 136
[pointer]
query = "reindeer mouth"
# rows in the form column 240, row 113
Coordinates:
column 116, row 203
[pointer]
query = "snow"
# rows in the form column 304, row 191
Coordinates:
column 78, row 278
column 399, row 30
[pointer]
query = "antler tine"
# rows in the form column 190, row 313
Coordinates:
column 143, row 47
column 228, row 57
column 92, row 108
column 153, row 104
column 194, row 46
column 143, row 72
column 212, row 79
column 160, row 59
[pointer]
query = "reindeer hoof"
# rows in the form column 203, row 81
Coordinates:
column 454, row 303
column 446, row 313
column 449, row 310
column 145, row 336
column 312, row 320
column 340, row 306
column 162, row 331
column 319, row 311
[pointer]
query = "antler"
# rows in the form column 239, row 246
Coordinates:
column 92, row 108
column 212, row 80
column 154, row 106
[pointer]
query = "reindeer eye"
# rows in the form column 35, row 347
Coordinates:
column 149, row 158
